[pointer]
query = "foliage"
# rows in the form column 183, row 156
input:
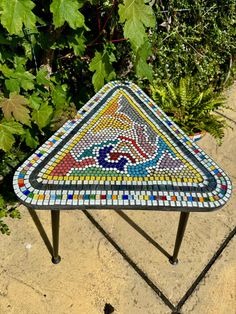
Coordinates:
column 190, row 107
column 55, row 54
column 5, row 211
column 101, row 65
column 196, row 38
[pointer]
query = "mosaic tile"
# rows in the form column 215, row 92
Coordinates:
column 121, row 150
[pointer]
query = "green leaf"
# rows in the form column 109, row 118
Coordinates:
column 30, row 141
column 7, row 72
column 77, row 43
column 15, row 13
column 101, row 65
column 42, row 116
column 27, row 49
column 27, row 85
column 35, row 101
column 25, row 79
column 59, row 96
column 3, row 213
column 18, row 77
column 67, row 11
column 41, row 77
column 6, row 140
column 15, row 106
column 7, row 129
column 12, row 127
column 12, row 85
column 198, row 100
column 94, row 2
column 183, row 91
column 1, row 202
column 143, row 69
column 135, row 31
column 4, row 228
column 14, row 213
column 4, row 41
column 136, row 15
column 19, row 63
column 172, row 90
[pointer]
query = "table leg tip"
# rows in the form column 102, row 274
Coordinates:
column 173, row 261
column 56, row 260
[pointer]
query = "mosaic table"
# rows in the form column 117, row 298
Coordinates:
column 121, row 152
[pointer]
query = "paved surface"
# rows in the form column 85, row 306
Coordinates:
column 121, row 260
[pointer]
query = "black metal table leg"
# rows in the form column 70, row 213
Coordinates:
column 55, row 216
column 179, row 237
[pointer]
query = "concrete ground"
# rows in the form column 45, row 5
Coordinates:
column 119, row 261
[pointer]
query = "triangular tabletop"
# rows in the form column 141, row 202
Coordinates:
column 121, row 150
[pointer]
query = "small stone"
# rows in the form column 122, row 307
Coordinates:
column 28, row 246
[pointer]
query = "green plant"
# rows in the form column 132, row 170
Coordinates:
column 7, row 211
column 192, row 108
column 48, row 46
column 195, row 38
column 53, row 55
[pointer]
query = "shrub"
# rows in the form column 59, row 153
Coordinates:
column 190, row 107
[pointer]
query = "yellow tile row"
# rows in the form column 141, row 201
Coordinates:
column 120, row 178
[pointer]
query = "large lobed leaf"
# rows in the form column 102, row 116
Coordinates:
column 77, row 43
column 59, row 96
column 15, row 13
column 17, row 78
column 136, row 15
column 42, row 115
column 101, row 65
column 7, row 129
column 143, row 69
column 67, row 11
column 30, row 141
column 16, row 106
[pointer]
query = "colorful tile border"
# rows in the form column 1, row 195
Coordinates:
column 121, row 150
